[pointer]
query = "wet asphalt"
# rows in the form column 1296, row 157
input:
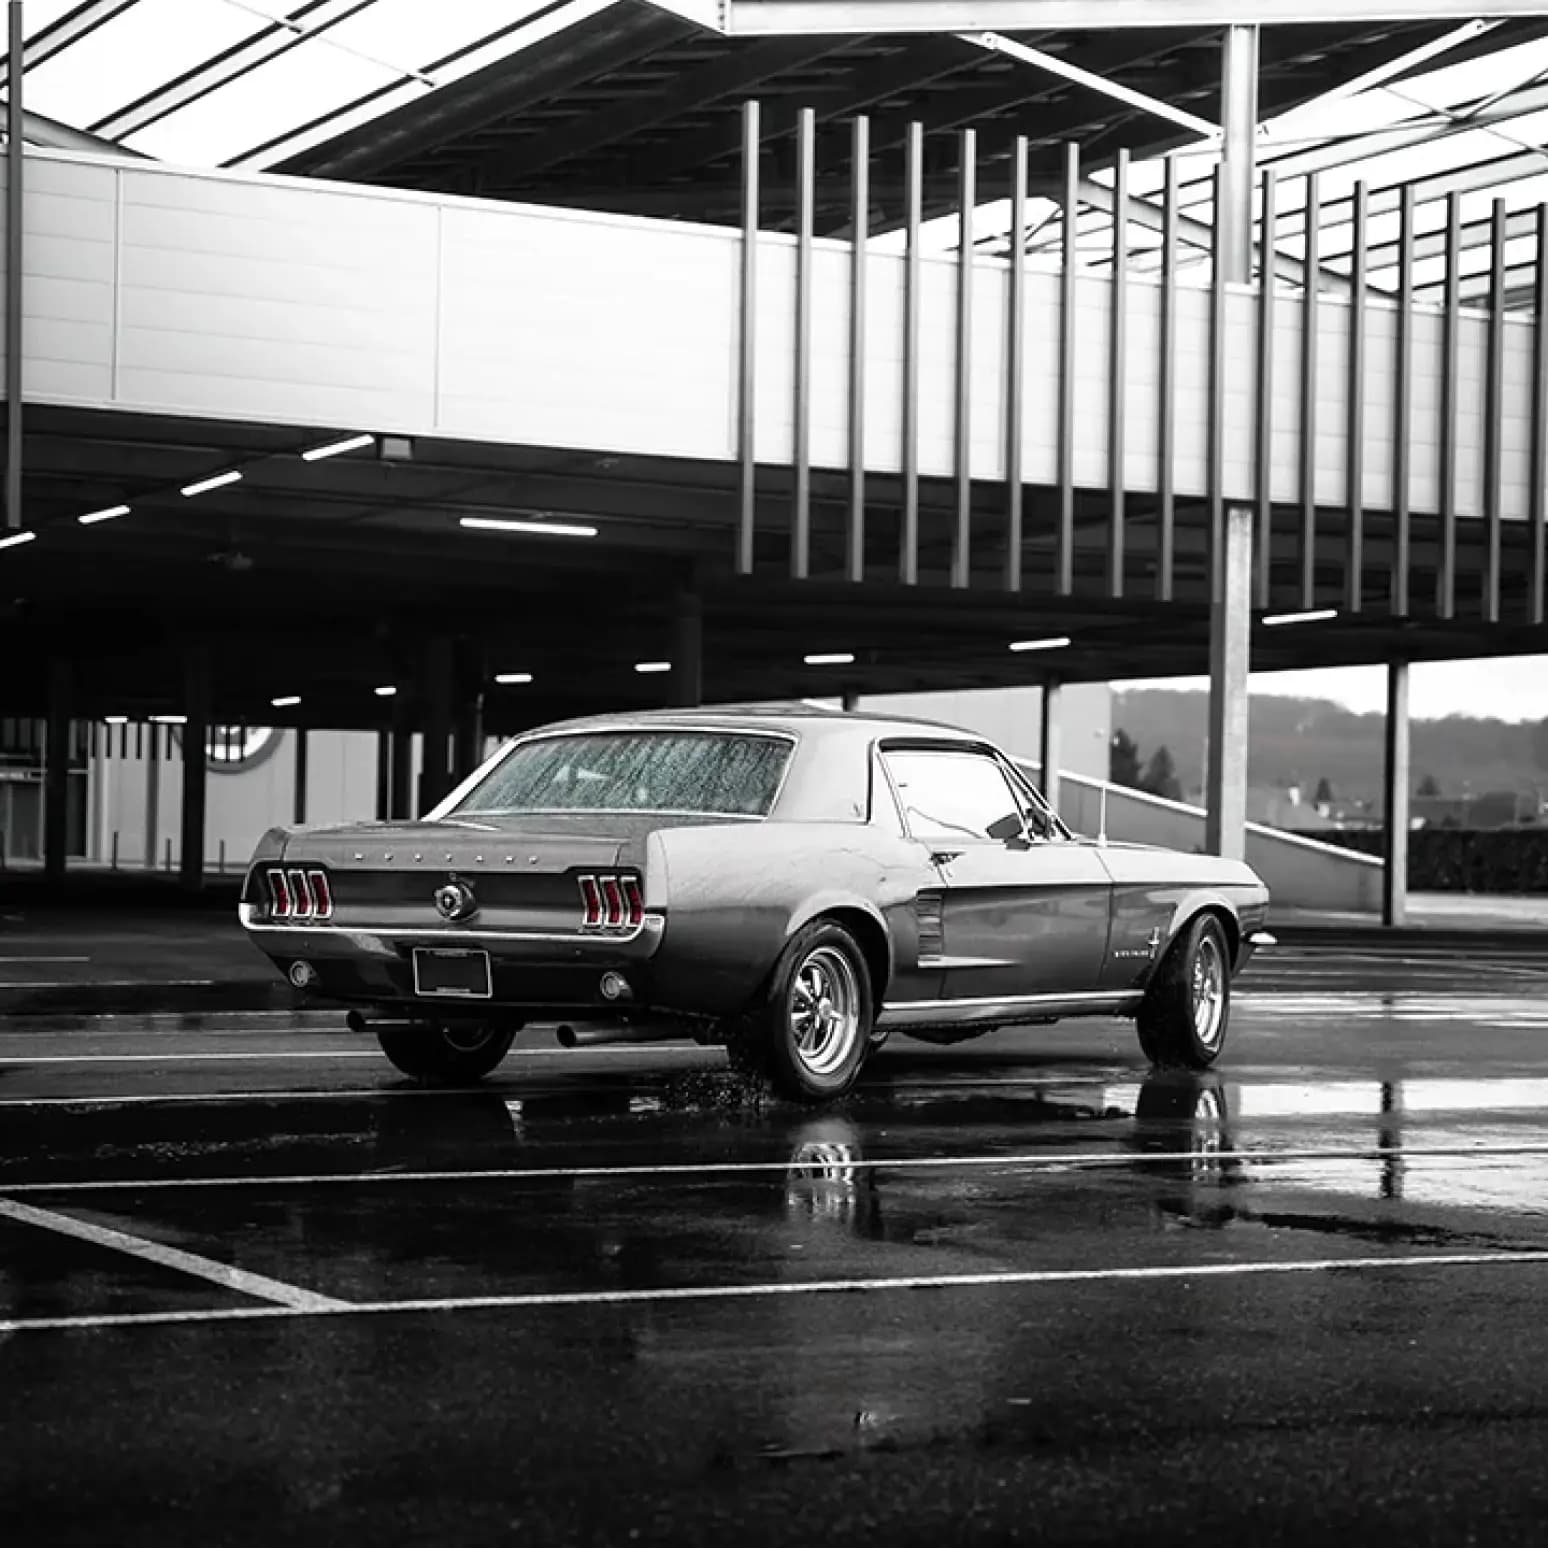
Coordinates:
column 256, row 1286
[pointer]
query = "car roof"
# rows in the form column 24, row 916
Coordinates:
column 793, row 717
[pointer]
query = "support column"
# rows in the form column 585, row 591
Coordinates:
column 1394, row 885
column 298, row 800
column 1230, row 641
column 1048, row 750
column 14, row 267
column 850, row 701
column 56, row 769
column 401, row 793
column 153, row 736
column 196, row 729
column 468, row 733
column 1230, row 612
column 438, row 701
column 383, row 775
column 687, row 650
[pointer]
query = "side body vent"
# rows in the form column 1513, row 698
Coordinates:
column 932, row 934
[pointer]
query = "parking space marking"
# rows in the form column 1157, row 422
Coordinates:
column 31, row 960
column 278, row 1055
column 1009, row 1161
column 998, row 1279
column 259, row 1286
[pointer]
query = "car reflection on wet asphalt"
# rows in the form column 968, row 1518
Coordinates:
column 252, row 1282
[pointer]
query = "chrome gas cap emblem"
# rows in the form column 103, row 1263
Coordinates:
column 455, row 901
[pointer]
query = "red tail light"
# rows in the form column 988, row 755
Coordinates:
column 612, row 903
column 298, row 894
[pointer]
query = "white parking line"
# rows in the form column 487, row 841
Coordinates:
column 1001, row 1279
column 1010, row 1161
column 32, row 960
column 285, row 1055
column 223, row 1274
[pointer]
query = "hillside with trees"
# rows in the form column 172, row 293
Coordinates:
column 1328, row 752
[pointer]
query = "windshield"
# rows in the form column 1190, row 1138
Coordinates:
column 714, row 773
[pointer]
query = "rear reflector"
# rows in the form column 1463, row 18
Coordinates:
column 611, row 903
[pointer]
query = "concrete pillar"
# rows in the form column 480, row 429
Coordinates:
column 1230, row 612
column 850, row 701
column 401, row 795
column 1394, row 884
column 438, row 709
column 469, row 737
column 196, row 729
column 383, row 775
column 298, row 800
column 1048, row 750
column 687, row 650
column 56, row 769
column 153, row 736
column 1230, row 649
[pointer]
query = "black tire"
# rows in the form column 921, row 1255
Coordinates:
column 804, row 1053
column 452, row 1053
column 1184, row 1016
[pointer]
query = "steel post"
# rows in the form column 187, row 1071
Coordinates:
column 1230, row 612
column 56, row 768
column 1395, row 777
column 300, row 780
column 1048, row 743
column 196, row 732
column 14, row 163
column 687, row 651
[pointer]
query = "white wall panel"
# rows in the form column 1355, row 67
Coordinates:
column 206, row 293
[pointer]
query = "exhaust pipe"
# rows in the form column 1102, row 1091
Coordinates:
column 356, row 1022
column 594, row 1034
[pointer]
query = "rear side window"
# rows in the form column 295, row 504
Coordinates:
column 708, row 772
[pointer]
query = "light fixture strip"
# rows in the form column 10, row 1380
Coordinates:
column 1321, row 615
column 534, row 528
column 219, row 481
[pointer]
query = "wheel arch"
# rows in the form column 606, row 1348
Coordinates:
column 1216, row 907
column 865, row 923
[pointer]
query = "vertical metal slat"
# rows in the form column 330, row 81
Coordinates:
column 1403, row 403
column 1265, row 426
column 1446, row 575
column 747, row 373
column 860, row 225
column 1494, row 404
column 1166, row 427
column 1359, row 267
column 1015, row 364
column 1065, row 543
column 1117, row 379
column 1311, row 322
column 962, row 540
column 1537, row 506
column 806, row 170
column 913, row 180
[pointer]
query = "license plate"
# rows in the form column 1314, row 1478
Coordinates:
column 464, row 974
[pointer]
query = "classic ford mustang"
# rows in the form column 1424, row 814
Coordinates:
column 795, row 884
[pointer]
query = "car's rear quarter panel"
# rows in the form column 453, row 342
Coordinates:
column 735, row 895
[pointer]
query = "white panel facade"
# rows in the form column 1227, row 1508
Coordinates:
column 212, row 294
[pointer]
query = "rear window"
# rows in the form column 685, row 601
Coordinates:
column 707, row 772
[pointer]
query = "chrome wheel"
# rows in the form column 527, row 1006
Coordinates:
column 824, row 1010
column 1208, row 991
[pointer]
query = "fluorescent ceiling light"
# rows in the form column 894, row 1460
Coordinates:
column 652, row 666
column 386, row 692
column 338, row 448
column 115, row 720
column 16, row 538
column 92, row 517
column 170, row 720
column 833, row 658
column 513, row 677
column 541, row 528
column 1058, row 643
column 212, row 483
column 289, row 702
column 1290, row 618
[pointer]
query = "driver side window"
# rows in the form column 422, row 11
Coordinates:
column 950, row 795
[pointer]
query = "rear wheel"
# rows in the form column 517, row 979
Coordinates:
column 447, row 1051
column 810, row 1031
column 1183, row 1018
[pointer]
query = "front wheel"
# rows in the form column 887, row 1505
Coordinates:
column 1182, row 1020
column 810, row 1030
column 447, row 1052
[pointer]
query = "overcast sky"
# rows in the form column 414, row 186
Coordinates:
column 1504, row 688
